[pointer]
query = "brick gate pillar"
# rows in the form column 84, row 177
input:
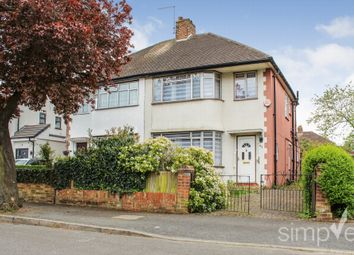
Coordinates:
column 184, row 178
column 323, row 208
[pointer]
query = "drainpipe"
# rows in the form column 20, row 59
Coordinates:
column 293, row 128
column 295, row 135
column 275, row 130
column 29, row 139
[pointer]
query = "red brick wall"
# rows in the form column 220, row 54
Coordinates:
column 284, row 126
column 139, row 201
column 37, row 193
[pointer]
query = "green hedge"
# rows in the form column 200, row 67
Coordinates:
column 336, row 178
column 35, row 174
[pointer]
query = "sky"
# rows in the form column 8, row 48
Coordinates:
column 312, row 41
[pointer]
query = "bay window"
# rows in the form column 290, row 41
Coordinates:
column 209, row 140
column 186, row 87
column 245, row 86
column 124, row 94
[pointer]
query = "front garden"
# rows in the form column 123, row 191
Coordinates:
column 119, row 164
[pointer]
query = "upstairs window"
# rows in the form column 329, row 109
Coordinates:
column 57, row 122
column 286, row 106
column 42, row 118
column 187, row 87
column 245, row 86
column 124, row 94
column 84, row 108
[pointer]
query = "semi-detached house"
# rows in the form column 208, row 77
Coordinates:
column 203, row 90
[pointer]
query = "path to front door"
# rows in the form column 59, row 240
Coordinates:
column 246, row 157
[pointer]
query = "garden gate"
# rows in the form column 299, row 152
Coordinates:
column 238, row 193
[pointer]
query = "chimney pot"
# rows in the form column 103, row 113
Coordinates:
column 184, row 28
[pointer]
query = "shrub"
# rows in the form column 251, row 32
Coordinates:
column 207, row 192
column 99, row 168
column 46, row 154
column 336, row 177
column 35, row 174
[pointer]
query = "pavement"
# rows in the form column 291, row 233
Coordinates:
column 34, row 240
column 207, row 228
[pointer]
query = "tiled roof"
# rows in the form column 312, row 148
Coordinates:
column 30, row 131
column 313, row 137
column 200, row 51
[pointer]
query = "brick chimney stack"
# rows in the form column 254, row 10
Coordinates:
column 184, row 28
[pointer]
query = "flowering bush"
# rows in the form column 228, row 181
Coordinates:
column 207, row 192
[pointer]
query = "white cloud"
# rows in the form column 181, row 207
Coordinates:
column 339, row 27
column 143, row 32
column 312, row 70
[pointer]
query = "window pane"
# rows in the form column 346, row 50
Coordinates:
column 196, row 86
column 102, row 100
column 217, row 88
column 134, row 85
column 240, row 89
column 218, row 149
column 167, row 92
column 251, row 86
column 113, row 99
column 182, row 90
column 133, row 97
column 208, row 87
column 157, row 90
column 123, row 98
column 123, row 87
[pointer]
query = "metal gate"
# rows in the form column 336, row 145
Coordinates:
column 281, row 192
column 238, row 193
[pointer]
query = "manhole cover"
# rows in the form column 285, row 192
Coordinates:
column 128, row 217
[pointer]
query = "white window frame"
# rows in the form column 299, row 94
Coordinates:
column 286, row 106
column 116, row 89
column 245, row 79
column 216, row 75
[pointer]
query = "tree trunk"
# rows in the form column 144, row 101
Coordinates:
column 8, row 184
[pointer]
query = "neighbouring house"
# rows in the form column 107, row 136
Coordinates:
column 203, row 90
column 32, row 128
column 312, row 137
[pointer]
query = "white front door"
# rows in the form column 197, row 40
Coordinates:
column 246, row 157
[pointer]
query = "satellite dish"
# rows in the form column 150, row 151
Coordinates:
column 267, row 102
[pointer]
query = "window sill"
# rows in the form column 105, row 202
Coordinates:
column 58, row 128
column 116, row 107
column 245, row 99
column 187, row 100
column 221, row 166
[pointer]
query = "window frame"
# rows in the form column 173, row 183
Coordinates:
column 202, row 136
column 245, row 79
column 17, row 152
column 192, row 75
column 56, row 122
column 42, row 116
column 116, row 89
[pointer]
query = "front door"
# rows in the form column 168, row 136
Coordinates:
column 246, row 157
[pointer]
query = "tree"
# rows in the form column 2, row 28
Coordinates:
column 334, row 110
column 56, row 50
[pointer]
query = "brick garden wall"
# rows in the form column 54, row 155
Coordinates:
column 37, row 193
column 176, row 202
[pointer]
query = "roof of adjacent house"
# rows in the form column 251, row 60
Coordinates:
column 201, row 51
column 312, row 136
column 30, row 131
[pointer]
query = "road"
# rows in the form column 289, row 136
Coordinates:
column 35, row 240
